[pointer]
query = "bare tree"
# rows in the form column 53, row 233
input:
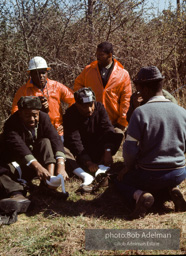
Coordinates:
column 66, row 35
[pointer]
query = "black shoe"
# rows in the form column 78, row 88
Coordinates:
column 17, row 203
column 145, row 201
column 102, row 180
column 178, row 199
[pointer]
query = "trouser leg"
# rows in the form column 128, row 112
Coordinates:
column 43, row 152
column 149, row 181
column 70, row 163
column 73, row 167
column 8, row 184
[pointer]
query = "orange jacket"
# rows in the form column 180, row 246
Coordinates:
column 116, row 94
column 54, row 91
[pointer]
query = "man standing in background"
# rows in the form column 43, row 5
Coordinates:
column 110, row 82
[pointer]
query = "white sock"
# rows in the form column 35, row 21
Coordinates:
column 137, row 194
column 86, row 177
column 102, row 169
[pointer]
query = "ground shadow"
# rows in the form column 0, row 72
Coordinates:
column 106, row 202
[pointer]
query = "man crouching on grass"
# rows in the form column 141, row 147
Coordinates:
column 32, row 144
column 154, row 147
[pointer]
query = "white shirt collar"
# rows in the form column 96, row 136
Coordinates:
column 109, row 65
column 157, row 98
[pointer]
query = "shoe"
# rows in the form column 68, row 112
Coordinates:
column 145, row 201
column 17, row 203
column 102, row 180
column 178, row 200
column 85, row 189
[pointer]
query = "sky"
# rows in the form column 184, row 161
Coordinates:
column 163, row 4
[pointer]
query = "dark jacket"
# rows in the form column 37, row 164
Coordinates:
column 87, row 135
column 17, row 140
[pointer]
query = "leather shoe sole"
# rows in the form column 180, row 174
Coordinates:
column 178, row 200
column 145, row 201
column 11, row 204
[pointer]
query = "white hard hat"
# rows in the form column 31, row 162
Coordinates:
column 37, row 63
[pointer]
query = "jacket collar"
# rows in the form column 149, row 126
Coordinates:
column 157, row 98
column 117, row 64
column 30, row 83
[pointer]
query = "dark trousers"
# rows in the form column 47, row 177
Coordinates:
column 96, row 151
column 70, row 163
column 150, row 181
column 108, row 140
column 9, row 184
column 42, row 151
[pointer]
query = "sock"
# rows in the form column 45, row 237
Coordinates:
column 86, row 177
column 137, row 195
column 102, row 169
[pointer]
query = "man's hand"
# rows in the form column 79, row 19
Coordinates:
column 60, row 129
column 92, row 166
column 45, row 106
column 60, row 169
column 42, row 173
column 121, row 174
column 137, row 99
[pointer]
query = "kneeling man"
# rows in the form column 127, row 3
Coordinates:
column 154, row 147
column 90, row 136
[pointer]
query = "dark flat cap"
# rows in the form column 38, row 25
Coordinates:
column 84, row 95
column 148, row 74
column 29, row 102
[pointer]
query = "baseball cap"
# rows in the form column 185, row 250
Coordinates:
column 84, row 95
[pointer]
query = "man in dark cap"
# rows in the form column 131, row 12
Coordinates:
column 154, row 147
column 32, row 147
column 89, row 135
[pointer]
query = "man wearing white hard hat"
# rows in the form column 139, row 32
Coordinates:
column 51, row 92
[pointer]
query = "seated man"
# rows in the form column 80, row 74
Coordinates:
column 154, row 147
column 90, row 136
column 32, row 143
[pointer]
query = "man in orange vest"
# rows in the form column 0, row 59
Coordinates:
column 50, row 92
column 111, row 83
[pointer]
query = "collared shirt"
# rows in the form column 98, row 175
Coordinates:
column 105, row 73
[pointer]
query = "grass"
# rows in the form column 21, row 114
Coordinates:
column 57, row 227
column 54, row 226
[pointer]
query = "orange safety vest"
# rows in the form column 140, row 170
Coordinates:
column 116, row 94
column 54, row 91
